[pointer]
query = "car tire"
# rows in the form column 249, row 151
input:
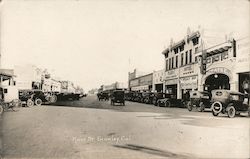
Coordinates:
column 214, row 113
column 167, row 104
column 189, row 106
column 231, row 111
column 30, row 103
column 38, row 102
column 201, row 107
column 217, row 107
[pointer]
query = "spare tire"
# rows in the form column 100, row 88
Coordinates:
column 217, row 107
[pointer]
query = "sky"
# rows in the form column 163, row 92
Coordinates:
column 98, row 42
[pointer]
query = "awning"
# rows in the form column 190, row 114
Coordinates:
column 219, row 49
column 6, row 73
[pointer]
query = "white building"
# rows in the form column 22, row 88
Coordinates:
column 158, row 79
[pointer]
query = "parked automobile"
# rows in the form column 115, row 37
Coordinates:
column 8, row 98
column 103, row 96
column 230, row 102
column 137, row 97
column 117, row 96
column 199, row 100
column 170, row 100
column 157, row 96
column 147, row 97
column 33, row 96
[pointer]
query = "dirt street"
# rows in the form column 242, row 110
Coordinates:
column 94, row 129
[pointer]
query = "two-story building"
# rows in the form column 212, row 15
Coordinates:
column 158, row 77
column 192, row 64
column 141, row 83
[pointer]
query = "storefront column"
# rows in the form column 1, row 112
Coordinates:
column 178, row 90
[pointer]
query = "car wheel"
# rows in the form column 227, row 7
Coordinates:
column 167, row 104
column 189, row 106
column 214, row 113
column 38, row 102
column 201, row 107
column 231, row 111
column 30, row 103
column 217, row 107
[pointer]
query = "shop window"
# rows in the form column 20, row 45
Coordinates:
column 190, row 56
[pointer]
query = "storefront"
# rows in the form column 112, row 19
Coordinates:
column 142, row 83
column 171, row 82
column 158, row 77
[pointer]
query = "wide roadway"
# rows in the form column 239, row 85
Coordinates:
column 89, row 128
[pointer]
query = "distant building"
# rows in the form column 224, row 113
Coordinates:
column 141, row 83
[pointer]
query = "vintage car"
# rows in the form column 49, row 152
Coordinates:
column 137, row 97
column 8, row 98
column 199, row 100
column 103, row 96
column 34, row 96
column 170, row 100
column 230, row 102
column 157, row 96
column 117, row 96
column 147, row 97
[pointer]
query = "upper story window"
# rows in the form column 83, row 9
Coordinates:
column 167, row 64
column 182, row 58
column 186, row 57
column 195, row 40
column 196, row 50
column 181, row 48
column 176, row 50
column 190, row 56
column 176, row 61
column 172, row 62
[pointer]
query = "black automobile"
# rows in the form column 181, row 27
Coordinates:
column 32, row 97
column 103, row 96
column 199, row 100
column 230, row 102
column 147, row 97
column 157, row 96
column 117, row 96
column 170, row 100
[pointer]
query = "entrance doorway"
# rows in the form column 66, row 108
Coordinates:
column 217, row 81
column 172, row 89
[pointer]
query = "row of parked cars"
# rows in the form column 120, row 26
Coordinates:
column 218, row 101
column 157, row 99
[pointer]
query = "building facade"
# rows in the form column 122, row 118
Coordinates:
column 158, row 77
column 141, row 83
column 191, row 64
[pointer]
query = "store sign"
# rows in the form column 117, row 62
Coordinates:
column 219, row 70
column 171, row 82
column 146, row 80
column 188, row 82
column 171, row 74
column 134, row 83
column 243, row 56
column 189, row 70
column 140, row 88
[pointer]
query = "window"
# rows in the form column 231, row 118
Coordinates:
column 182, row 59
column 176, row 50
column 196, row 58
column 5, row 90
column 186, row 60
column 167, row 64
column 172, row 62
column 195, row 41
column 196, row 49
column 182, row 47
column 190, row 56
column 176, row 62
